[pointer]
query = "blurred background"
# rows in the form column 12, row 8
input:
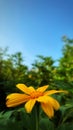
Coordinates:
column 36, row 48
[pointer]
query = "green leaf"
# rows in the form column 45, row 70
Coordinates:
column 65, row 127
column 46, row 124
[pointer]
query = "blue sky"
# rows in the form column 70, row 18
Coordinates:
column 35, row 27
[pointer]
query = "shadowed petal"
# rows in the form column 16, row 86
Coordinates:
column 29, row 105
column 42, row 89
column 48, row 109
column 16, row 99
column 54, row 91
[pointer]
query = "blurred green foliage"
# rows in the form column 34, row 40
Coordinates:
column 43, row 72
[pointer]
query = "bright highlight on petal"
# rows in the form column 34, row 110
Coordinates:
column 31, row 96
column 43, row 99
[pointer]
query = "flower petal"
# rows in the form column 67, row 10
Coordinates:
column 24, row 88
column 31, row 89
column 42, row 89
column 48, row 109
column 55, row 104
column 29, row 105
column 54, row 91
column 16, row 99
column 43, row 99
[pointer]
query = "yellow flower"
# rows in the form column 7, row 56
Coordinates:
column 31, row 96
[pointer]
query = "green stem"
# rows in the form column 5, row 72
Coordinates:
column 37, row 116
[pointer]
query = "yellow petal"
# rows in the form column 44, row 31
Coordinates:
column 16, row 99
column 29, row 105
column 42, row 89
column 23, row 88
column 31, row 89
column 43, row 99
column 55, row 104
column 48, row 109
column 54, row 91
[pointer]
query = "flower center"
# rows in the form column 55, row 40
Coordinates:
column 36, row 94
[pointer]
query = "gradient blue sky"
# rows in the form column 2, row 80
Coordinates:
column 35, row 27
